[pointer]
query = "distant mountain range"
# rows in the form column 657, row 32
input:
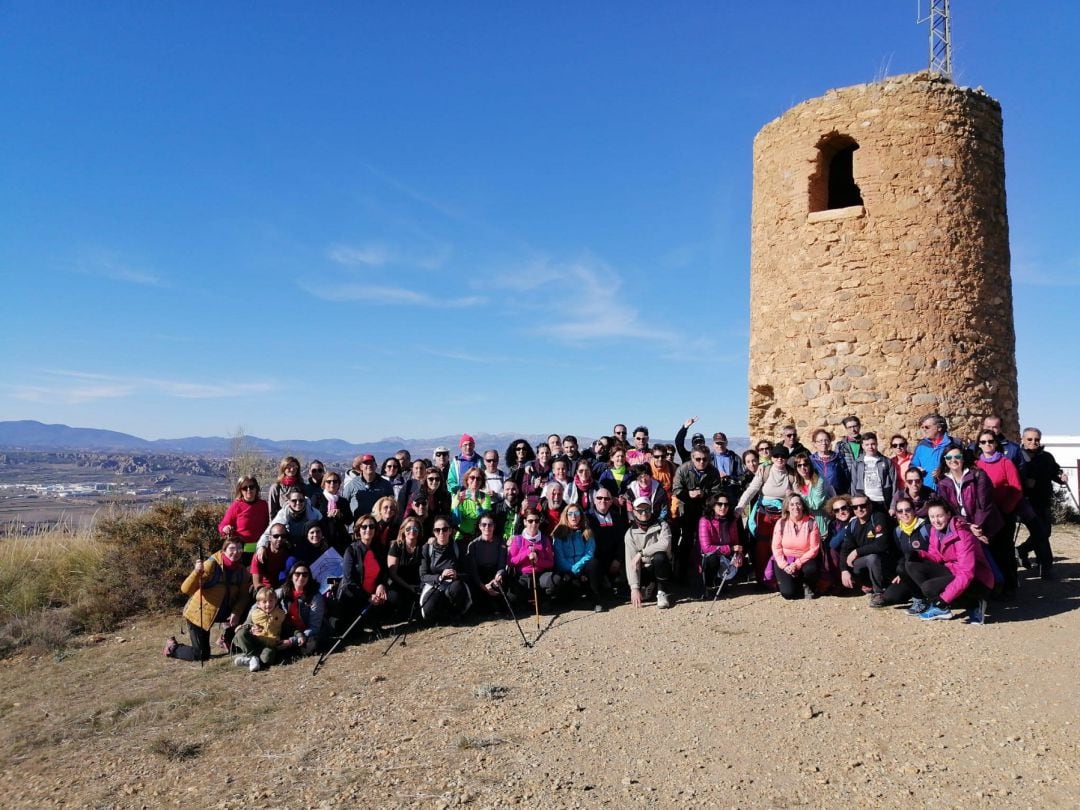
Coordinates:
column 27, row 434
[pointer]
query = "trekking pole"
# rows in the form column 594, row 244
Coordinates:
column 512, row 614
column 404, row 632
column 202, row 660
column 536, row 600
column 340, row 639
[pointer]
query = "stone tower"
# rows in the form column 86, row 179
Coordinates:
column 880, row 280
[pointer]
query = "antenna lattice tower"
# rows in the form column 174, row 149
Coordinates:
column 940, row 39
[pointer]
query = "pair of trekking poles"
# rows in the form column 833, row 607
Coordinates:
column 401, row 636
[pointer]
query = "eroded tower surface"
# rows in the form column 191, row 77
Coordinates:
column 880, row 279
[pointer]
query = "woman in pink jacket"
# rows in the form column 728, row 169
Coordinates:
column 952, row 569
column 796, row 546
column 532, row 552
column 722, row 539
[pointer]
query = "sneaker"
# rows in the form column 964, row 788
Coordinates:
column 934, row 613
column 662, row 601
column 808, row 592
column 597, row 608
column 253, row 664
column 977, row 615
column 242, row 660
column 917, row 607
column 877, row 600
column 170, row 646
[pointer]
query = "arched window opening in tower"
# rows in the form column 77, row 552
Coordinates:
column 833, row 183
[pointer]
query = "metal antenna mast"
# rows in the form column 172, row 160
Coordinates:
column 940, row 39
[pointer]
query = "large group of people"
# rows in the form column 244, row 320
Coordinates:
column 931, row 528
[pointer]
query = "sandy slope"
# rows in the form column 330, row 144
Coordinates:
column 761, row 703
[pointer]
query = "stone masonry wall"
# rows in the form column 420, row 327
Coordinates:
column 898, row 307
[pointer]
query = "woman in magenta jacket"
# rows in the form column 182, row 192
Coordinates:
column 247, row 516
column 970, row 495
column 722, row 538
column 532, row 552
column 951, row 570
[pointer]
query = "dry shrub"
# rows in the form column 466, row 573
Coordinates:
column 41, row 631
column 146, row 555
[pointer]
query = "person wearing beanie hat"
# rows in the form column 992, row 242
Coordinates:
column 455, row 476
column 648, row 554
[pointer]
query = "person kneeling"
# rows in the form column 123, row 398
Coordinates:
column 648, row 555
column 951, row 570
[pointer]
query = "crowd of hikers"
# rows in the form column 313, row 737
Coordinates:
column 932, row 529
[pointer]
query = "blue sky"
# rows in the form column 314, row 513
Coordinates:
column 369, row 219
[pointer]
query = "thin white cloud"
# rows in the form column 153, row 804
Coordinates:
column 588, row 303
column 380, row 254
column 75, row 387
column 383, row 294
column 109, row 265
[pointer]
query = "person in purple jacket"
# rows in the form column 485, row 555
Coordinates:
column 952, row 570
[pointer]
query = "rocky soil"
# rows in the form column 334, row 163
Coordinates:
column 752, row 702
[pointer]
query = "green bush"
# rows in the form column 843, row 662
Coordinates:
column 146, row 555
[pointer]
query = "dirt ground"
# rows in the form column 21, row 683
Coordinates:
column 758, row 703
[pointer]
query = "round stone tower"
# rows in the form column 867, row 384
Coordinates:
column 880, row 280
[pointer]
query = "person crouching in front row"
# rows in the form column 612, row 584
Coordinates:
column 648, row 554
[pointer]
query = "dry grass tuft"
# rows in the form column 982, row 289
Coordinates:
column 175, row 751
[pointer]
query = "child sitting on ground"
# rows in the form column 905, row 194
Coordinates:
column 259, row 638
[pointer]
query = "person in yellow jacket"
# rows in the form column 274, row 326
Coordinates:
column 217, row 591
column 259, row 638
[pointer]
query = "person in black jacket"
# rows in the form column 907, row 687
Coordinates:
column 867, row 553
column 486, row 566
column 364, row 578
column 445, row 594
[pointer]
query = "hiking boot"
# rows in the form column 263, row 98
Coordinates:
column 977, row 615
column 662, row 601
column 1024, row 556
column 1046, row 573
column 877, row 600
column 253, row 664
column 933, row 613
column 170, row 646
column 808, row 592
column 242, row 661
column 917, row 607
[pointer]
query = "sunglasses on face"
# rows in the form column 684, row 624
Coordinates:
column 600, row 498
column 953, row 457
column 248, row 487
column 898, row 445
column 842, row 508
column 368, row 527
column 987, row 441
column 532, row 520
column 333, row 480
column 296, row 501
column 412, row 530
column 301, row 573
column 722, row 503
column 860, row 507
column 279, row 536
column 903, row 511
